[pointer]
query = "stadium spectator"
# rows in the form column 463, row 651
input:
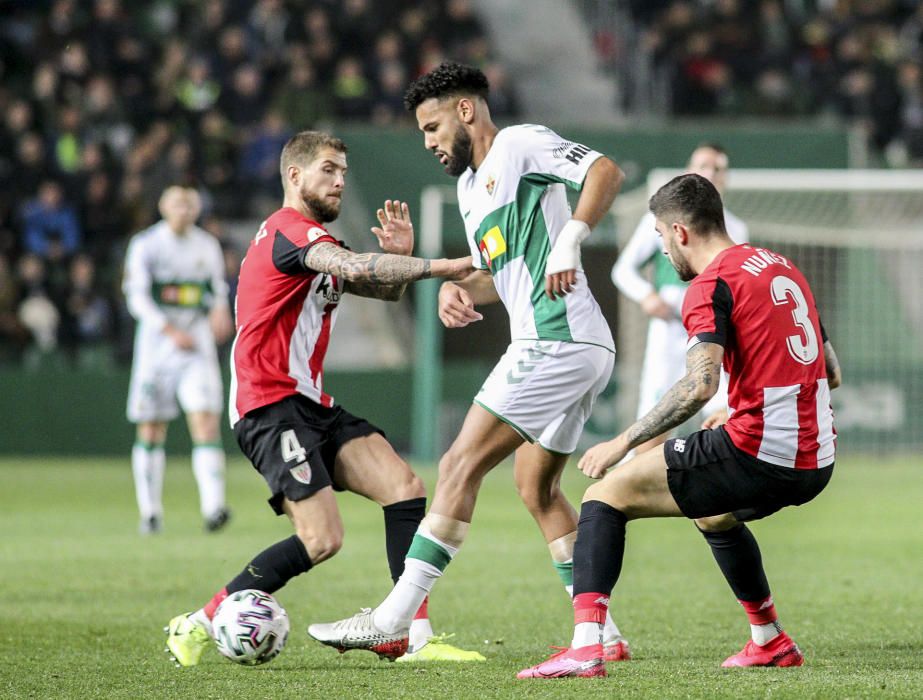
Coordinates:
column 301, row 100
column 50, row 226
column 87, row 319
column 36, row 311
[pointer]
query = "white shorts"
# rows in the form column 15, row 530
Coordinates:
column 545, row 389
column 188, row 379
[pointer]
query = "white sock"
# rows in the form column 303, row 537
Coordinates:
column 587, row 633
column 763, row 634
column 610, row 630
column 201, row 618
column 396, row 611
column 420, row 632
column 147, row 466
column 208, row 467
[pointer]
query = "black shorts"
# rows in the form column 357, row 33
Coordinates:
column 293, row 444
column 708, row 475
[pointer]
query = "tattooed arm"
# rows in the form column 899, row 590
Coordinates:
column 834, row 374
column 681, row 402
column 380, row 268
column 385, row 292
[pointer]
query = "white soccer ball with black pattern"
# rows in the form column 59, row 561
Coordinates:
column 250, row 627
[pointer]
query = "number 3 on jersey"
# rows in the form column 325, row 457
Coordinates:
column 785, row 290
column 291, row 448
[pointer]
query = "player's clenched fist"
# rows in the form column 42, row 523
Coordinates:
column 456, row 308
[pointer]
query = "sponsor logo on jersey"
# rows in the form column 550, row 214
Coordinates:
column 491, row 183
column 314, row 233
column 330, row 292
column 492, row 245
column 562, row 148
column 679, row 445
column 301, row 472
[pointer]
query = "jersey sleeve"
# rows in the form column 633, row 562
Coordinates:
column 290, row 246
column 549, row 158
column 136, row 285
column 643, row 245
column 707, row 312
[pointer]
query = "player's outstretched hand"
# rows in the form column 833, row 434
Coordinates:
column 599, row 458
column 396, row 232
column 718, row 418
column 456, row 308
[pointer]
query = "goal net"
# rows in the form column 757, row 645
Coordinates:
column 858, row 237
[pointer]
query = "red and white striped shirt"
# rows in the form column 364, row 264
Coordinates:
column 285, row 313
column 759, row 306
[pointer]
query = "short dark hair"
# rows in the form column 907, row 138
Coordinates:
column 693, row 200
column 303, row 146
column 446, row 80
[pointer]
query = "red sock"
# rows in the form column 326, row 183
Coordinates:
column 760, row 612
column 590, row 607
column 213, row 604
column 423, row 611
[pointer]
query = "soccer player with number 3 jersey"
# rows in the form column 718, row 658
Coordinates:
column 753, row 311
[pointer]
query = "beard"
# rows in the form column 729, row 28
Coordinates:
column 460, row 157
column 681, row 265
column 324, row 212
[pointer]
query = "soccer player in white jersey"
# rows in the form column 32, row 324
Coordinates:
column 662, row 297
column 526, row 244
column 175, row 288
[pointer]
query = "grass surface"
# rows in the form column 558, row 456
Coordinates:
column 83, row 598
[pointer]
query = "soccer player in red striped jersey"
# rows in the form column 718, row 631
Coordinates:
column 751, row 310
column 301, row 442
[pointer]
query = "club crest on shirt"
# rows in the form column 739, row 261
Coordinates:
column 491, row 183
column 314, row 233
column 301, row 472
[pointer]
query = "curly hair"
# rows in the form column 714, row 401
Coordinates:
column 447, row 79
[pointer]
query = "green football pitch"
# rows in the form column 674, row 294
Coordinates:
column 83, row 597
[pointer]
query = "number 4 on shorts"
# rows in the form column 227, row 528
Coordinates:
column 291, row 448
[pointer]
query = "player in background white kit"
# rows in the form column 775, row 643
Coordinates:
column 175, row 289
column 662, row 298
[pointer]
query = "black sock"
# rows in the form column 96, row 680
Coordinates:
column 599, row 549
column 401, row 522
column 738, row 557
column 273, row 567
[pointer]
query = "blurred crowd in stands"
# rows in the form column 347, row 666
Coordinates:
column 106, row 102
column 861, row 60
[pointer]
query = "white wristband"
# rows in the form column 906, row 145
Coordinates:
column 565, row 254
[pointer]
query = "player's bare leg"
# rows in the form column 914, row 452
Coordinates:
column 537, row 473
column 208, row 466
column 635, row 489
column 738, row 556
column 148, row 462
column 483, row 442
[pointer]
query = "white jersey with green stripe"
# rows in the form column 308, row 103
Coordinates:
column 514, row 205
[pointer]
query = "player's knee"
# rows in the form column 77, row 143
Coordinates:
column 321, row 545
column 407, row 489
column 537, row 497
column 613, row 492
column 457, row 471
column 716, row 523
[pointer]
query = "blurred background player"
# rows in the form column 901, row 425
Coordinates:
column 526, row 244
column 175, row 288
column 296, row 437
column 662, row 297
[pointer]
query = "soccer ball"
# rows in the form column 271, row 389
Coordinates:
column 250, row 627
